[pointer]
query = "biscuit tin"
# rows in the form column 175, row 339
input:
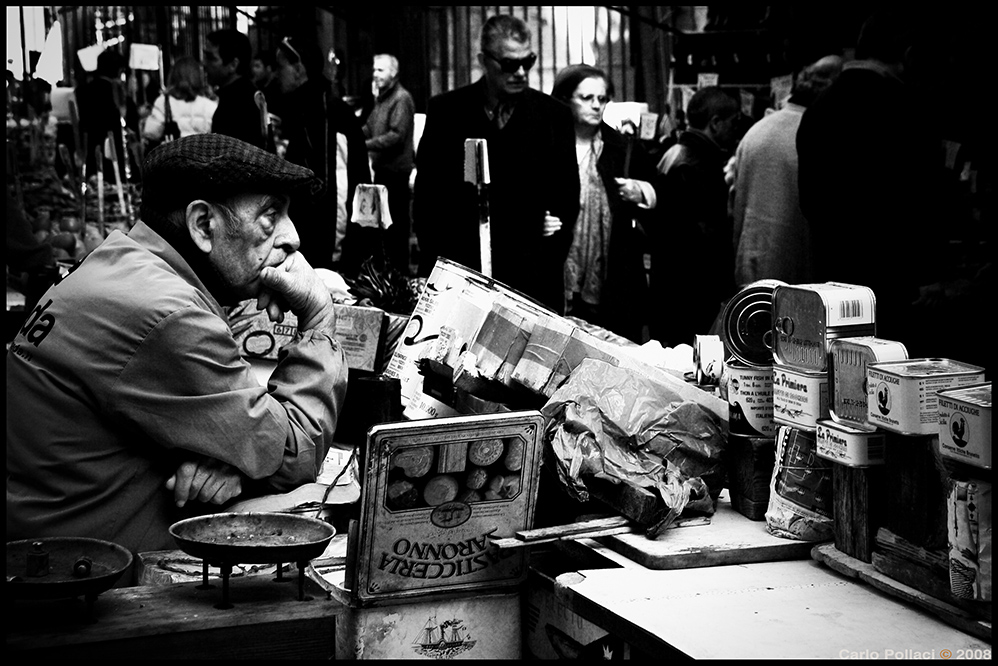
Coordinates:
column 807, row 316
column 901, row 395
column 847, row 375
column 965, row 424
column 800, row 397
column 850, row 446
column 436, row 494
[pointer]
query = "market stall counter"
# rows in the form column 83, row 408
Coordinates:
column 179, row 621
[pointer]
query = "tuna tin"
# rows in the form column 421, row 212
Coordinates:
column 800, row 397
column 749, row 392
column 807, row 316
column 850, row 446
column 902, row 394
column 965, row 424
column 747, row 323
column 847, row 375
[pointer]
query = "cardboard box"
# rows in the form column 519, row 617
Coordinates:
column 580, row 346
column 545, row 345
column 448, row 317
column 423, row 532
column 358, row 329
column 447, row 284
column 553, row 631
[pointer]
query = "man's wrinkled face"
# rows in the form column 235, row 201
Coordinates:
column 383, row 73
column 258, row 233
column 501, row 58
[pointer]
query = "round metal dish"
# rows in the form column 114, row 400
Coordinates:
column 108, row 561
column 252, row 538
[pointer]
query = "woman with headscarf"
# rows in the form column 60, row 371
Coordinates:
column 605, row 281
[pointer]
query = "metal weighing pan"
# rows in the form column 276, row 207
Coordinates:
column 77, row 566
column 226, row 539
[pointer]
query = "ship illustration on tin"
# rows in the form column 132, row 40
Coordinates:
column 443, row 640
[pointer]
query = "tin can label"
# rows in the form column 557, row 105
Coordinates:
column 902, row 395
column 800, row 398
column 749, row 392
column 806, row 317
column 965, row 424
column 850, row 446
column 847, row 375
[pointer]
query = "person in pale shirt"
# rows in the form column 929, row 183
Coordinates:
column 190, row 107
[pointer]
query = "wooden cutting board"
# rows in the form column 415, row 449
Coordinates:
column 730, row 538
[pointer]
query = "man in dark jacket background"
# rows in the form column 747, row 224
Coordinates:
column 534, row 189
column 692, row 256
column 227, row 59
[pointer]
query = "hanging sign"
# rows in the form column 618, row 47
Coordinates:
column 706, row 79
column 144, row 56
column 88, row 57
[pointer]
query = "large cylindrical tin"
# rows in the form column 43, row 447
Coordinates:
column 850, row 446
column 902, row 395
column 847, row 375
column 807, row 316
column 800, row 397
column 965, row 424
column 749, row 392
column 747, row 323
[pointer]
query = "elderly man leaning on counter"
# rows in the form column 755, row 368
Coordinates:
column 128, row 404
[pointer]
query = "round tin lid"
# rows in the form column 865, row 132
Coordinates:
column 747, row 323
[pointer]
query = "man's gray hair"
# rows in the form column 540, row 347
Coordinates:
column 392, row 61
column 502, row 27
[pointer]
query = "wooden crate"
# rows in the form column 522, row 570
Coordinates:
column 749, row 462
column 916, row 504
column 859, row 497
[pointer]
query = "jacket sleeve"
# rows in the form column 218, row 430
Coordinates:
column 429, row 190
column 153, row 128
column 186, row 387
column 563, row 201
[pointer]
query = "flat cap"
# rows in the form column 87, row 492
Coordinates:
column 217, row 165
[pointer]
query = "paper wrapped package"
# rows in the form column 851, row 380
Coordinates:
column 619, row 426
column 969, row 531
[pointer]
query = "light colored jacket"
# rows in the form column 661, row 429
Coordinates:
column 191, row 117
column 128, row 368
column 770, row 234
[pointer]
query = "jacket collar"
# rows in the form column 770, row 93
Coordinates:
column 149, row 239
column 382, row 94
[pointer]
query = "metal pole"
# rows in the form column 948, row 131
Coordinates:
column 24, row 63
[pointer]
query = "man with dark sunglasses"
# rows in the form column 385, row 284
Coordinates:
column 534, row 184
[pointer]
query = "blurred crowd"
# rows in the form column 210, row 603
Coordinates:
column 842, row 181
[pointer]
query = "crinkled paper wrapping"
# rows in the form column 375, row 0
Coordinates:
column 615, row 424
